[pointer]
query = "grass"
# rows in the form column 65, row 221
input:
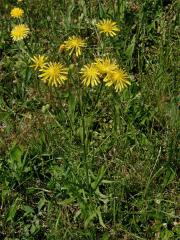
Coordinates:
column 90, row 163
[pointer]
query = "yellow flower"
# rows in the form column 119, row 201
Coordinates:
column 19, row 0
column 74, row 44
column 17, row 12
column 19, row 32
column 105, row 65
column 90, row 75
column 38, row 61
column 118, row 78
column 54, row 74
column 62, row 48
column 108, row 27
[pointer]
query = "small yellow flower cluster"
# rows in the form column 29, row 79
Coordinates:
column 76, row 44
column 101, row 70
column 106, row 70
column 55, row 73
column 19, row 31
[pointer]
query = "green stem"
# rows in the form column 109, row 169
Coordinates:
column 84, row 138
column 98, row 95
column 67, row 116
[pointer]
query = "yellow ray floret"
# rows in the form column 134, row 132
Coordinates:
column 118, row 78
column 108, row 27
column 74, row 44
column 19, row 32
column 105, row 65
column 39, row 61
column 17, row 12
column 90, row 75
column 54, row 74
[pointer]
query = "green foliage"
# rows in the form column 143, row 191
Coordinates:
column 91, row 163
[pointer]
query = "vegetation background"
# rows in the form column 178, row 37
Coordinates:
column 77, row 168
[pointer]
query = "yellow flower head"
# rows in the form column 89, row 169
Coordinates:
column 38, row 61
column 118, row 78
column 90, row 75
column 74, row 44
column 54, row 74
column 108, row 27
column 17, row 12
column 19, row 0
column 19, row 32
column 105, row 65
